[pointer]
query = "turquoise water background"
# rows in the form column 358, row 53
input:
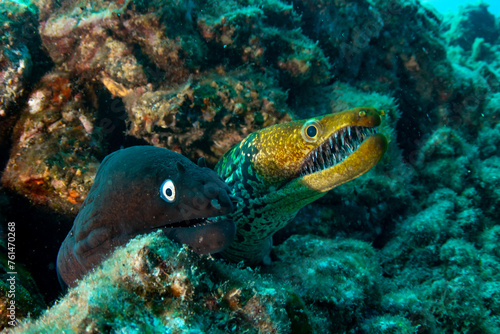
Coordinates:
column 445, row 6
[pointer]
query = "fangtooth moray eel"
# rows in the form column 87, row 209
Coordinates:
column 141, row 189
column 278, row 170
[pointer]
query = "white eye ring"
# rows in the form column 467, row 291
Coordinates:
column 167, row 191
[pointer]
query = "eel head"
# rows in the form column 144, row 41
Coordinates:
column 322, row 152
column 278, row 170
column 141, row 189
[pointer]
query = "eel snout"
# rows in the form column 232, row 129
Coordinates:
column 209, row 198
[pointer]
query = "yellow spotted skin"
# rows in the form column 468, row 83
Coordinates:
column 264, row 171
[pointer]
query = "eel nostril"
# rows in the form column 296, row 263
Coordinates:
column 215, row 203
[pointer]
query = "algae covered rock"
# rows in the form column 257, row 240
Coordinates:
column 337, row 279
column 446, row 158
column 154, row 285
column 344, row 31
column 264, row 33
column 471, row 23
column 208, row 116
column 18, row 42
column 98, row 40
column 56, row 150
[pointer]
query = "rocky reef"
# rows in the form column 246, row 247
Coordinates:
column 206, row 117
column 55, row 155
column 408, row 247
column 176, row 291
column 17, row 46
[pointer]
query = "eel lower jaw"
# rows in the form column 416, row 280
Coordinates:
column 354, row 162
column 196, row 222
column 203, row 221
column 212, row 235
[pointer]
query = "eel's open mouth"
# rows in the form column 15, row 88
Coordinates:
column 202, row 221
column 190, row 223
column 335, row 149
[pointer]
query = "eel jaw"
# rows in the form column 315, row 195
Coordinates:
column 211, row 236
column 201, row 221
column 347, row 154
column 196, row 222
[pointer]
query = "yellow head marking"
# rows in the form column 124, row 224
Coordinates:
column 295, row 149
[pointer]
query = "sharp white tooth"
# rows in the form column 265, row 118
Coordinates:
column 349, row 131
column 320, row 149
column 331, row 142
column 342, row 138
column 316, row 154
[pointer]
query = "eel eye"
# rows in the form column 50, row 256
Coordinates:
column 311, row 130
column 167, row 191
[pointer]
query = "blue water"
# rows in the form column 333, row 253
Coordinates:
column 445, row 6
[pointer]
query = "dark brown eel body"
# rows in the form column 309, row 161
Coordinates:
column 141, row 189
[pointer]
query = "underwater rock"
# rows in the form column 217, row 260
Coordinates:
column 343, row 30
column 472, row 22
column 55, row 154
column 178, row 290
column 408, row 54
column 206, row 116
column 100, row 41
column 434, row 267
column 18, row 24
column 488, row 172
column 337, row 279
column 446, row 150
column 154, row 285
column 409, row 57
column 264, row 34
column 387, row 324
column 419, row 237
column 473, row 104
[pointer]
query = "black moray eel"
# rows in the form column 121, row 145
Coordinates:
column 141, row 189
